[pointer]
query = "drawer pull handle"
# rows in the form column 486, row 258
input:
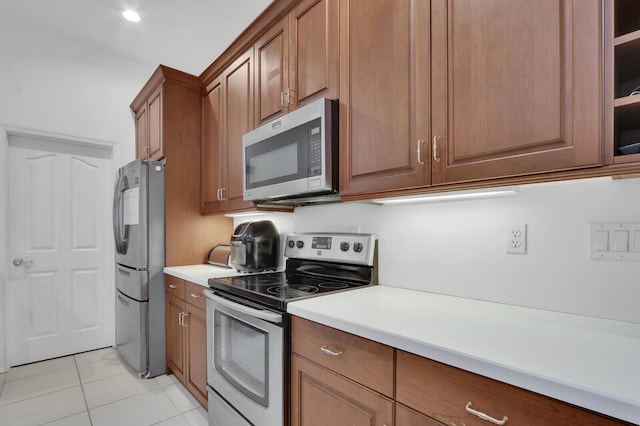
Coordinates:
column 173, row 286
column 194, row 295
column 328, row 351
column 483, row 416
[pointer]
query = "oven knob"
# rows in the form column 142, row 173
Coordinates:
column 291, row 243
column 300, row 244
column 357, row 247
column 344, row 246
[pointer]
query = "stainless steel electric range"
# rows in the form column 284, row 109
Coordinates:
column 248, row 327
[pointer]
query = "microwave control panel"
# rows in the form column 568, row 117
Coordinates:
column 345, row 248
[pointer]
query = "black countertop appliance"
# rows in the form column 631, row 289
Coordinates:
column 255, row 247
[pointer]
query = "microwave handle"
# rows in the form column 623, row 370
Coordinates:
column 258, row 313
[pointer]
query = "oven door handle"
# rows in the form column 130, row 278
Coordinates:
column 258, row 313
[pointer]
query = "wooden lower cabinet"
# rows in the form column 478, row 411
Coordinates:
column 321, row 397
column 442, row 392
column 187, row 336
column 405, row 416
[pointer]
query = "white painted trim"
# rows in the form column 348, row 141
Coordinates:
column 5, row 132
column 4, row 252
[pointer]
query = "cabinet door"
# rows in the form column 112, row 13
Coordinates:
column 175, row 337
column 384, row 95
column 320, row 397
column 155, row 147
column 238, row 113
column 196, row 334
column 407, row 417
column 516, row 87
column 142, row 130
column 271, row 55
column 211, row 150
column 313, row 50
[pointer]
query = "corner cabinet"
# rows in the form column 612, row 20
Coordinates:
column 187, row 336
column 297, row 59
column 467, row 91
column 227, row 115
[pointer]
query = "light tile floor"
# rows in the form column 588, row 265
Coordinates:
column 94, row 388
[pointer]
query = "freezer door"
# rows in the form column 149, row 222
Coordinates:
column 132, row 331
column 133, row 283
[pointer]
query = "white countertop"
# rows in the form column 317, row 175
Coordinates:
column 199, row 274
column 589, row 362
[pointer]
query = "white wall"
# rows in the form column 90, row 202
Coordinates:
column 458, row 247
column 55, row 85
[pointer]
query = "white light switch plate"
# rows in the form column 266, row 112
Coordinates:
column 614, row 241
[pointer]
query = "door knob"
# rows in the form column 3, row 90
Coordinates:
column 18, row 261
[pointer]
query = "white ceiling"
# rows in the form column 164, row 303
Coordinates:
column 183, row 34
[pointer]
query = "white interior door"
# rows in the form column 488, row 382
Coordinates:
column 61, row 285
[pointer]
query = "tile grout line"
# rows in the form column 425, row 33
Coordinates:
column 84, row 396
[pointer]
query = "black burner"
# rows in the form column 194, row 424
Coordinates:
column 333, row 285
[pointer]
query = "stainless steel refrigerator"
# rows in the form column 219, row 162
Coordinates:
column 138, row 229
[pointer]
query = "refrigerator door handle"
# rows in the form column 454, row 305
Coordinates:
column 121, row 241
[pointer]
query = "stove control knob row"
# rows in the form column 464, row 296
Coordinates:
column 292, row 244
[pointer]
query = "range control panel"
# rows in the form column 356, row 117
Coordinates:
column 345, row 248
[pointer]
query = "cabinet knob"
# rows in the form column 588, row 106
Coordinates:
column 173, row 286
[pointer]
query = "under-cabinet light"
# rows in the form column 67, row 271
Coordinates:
column 131, row 15
column 245, row 214
column 450, row 196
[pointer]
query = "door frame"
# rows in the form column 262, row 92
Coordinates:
column 113, row 152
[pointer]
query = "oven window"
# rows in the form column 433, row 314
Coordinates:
column 241, row 355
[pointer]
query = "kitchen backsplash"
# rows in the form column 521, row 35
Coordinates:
column 459, row 247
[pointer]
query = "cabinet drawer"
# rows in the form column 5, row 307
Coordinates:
column 193, row 295
column 174, row 286
column 443, row 392
column 359, row 359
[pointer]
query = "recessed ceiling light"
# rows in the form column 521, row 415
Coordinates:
column 131, row 15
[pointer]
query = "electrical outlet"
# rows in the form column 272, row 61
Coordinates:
column 517, row 239
column 354, row 229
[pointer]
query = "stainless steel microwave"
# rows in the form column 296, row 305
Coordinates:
column 294, row 159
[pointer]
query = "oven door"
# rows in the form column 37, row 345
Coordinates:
column 246, row 359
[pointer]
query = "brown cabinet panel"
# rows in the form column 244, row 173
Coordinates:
column 516, row 87
column 196, row 344
column 442, row 392
column 384, row 94
column 175, row 309
column 175, row 286
column 365, row 361
column 238, row 115
column 314, row 47
column 407, row 417
column 155, row 147
column 320, row 397
column 271, row 55
column 194, row 295
column 142, row 127
column 211, row 179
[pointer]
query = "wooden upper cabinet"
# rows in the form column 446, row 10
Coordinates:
column 384, row 95
column 227, row 115
column 271, row 76
column 516, row 87
column 314, row 51
column 149, row 127
column 296, row 59
column 211, row 180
